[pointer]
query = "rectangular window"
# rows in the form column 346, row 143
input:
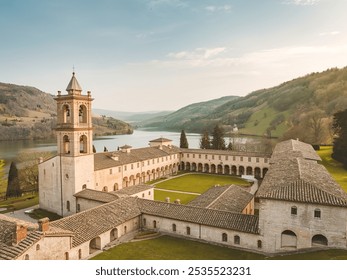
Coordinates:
column 132, row 166
column 212, row 156
column 110, row 171
column 265, row 160
column 220, row 157
column 241, row 158
column 234, row 158
column 257, row 160
column 294, row 210
column 206, row 156
column 249, row 159
column 148, row 162
column 226, row 157
column 199, row 156
column 317, row 213
column 125, row 168
column 193, row 155
column 187, row 155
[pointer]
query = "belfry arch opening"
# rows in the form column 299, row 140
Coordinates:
column 82, row 114
column 83, row 144
column 66, row 144
column 66, row 114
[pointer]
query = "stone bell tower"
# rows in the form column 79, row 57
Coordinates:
column 74, row 144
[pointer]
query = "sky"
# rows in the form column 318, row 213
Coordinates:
column 154, row 55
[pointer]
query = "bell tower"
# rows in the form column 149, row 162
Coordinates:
column 75, row 159
column 74, row 121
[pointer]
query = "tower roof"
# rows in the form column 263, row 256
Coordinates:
column 73, row 84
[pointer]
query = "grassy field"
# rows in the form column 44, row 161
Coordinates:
column 335, row 168
column 184, row 197
column 13, row 204
column 170, row 248
column 199, row 183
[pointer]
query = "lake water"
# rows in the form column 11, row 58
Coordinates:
column 140, row 138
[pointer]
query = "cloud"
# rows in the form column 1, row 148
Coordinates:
column 175, row 3
column 331, row 33
column 224, row 8
column 301, row 2
column 197, row 54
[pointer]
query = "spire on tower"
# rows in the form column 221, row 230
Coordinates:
column 73, row 85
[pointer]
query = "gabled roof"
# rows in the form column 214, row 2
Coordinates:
column 73, row 84
column 161, row 140
column 132, row 190
column 96, row 195
column 295, row 175
column 227, row 198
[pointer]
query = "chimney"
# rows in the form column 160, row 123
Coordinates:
column 21, row 233
column 43, row 224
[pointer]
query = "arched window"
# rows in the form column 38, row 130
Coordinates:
column 317, row 213
column 66, row 114
column 80, row 254
column 115, row 187
column 237, row 240
column 154, row 224
column 259, row 244
column 294, row 211
column 68, row 205
column 66, row 255
column 37, row 247
column 66, row 144
column 104, row 189
column 26, row 257
column 84, row 187
column 82, row 114
column 125, row 229
column 173, row 227
column 188, row 230
column 83, row 144
column 224, row 237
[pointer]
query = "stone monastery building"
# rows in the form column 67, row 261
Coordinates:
column 104, row 202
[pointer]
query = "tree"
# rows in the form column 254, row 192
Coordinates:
column 13, row 188
column 205, row 142
column 340, row 139
column 183, row 140
column 218, row 142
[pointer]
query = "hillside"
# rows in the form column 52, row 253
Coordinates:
column 301, row 108
column 187, row 116
column 28, row 113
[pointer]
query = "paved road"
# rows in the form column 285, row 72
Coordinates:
column 19, row 214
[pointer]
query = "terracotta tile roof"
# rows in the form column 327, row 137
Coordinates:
column 295, row 173
column 104, row 160
column 132, row 190
column 161, row 139
column 227, row 198
column 209, row 217
column 96, row 195
column 225, row 152
column 89, row 224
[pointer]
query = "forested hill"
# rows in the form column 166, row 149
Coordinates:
column 28, row 113
column 301, row 108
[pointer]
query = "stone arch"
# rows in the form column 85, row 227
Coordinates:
column 82, row 114
column 125, row 182
column 241, row 170
column 233, row 170
column 183, row 166
column 200, row 167
column 319, row 240
column 249, row 170
column 188, row 166
column 83, row 144
column 288, row 239
column 193, row 166
column 220, row 169
column 66, row 113
column 94, row 245
column 115, row 187
column 213, row 168
column 138, row 178
column 226, row 169
column 257, row 172
column 66, row 144
column 206, row 168
column 113, row 234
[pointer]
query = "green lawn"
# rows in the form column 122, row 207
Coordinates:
column 335, row 168
column 19, row 202
column 184, row 197
column 170, row 248
column 199, row 183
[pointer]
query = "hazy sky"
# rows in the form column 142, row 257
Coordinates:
column 143, row 55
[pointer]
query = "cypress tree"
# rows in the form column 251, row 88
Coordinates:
column 183, row 140
column 13, row 188
column 218, row 142
column 205, row 142
column 340, row 139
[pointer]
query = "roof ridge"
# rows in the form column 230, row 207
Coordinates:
column 218, row 197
